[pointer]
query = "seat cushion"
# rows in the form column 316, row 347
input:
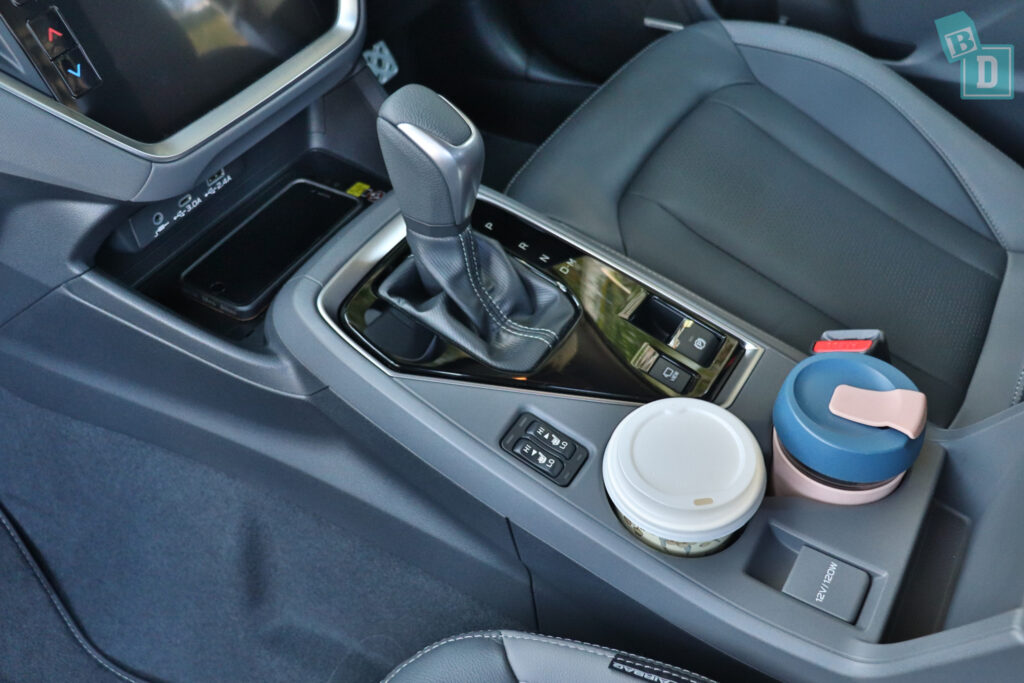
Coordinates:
column 801, row 191
column 512, row 656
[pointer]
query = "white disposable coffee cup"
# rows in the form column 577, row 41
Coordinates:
column 684, row 475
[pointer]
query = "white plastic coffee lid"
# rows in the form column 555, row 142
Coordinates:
column 685, row 470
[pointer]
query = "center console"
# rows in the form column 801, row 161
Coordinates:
column 808, row 590
column 746, row 581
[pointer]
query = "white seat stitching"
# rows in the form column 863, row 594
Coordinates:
column 588, row 648
column 607, row 652
column 431, row 648
column 487, row 310
column 1018, row 390
column 476, row 262
column 56, row 604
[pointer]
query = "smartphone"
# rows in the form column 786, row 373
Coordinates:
column 240, row 274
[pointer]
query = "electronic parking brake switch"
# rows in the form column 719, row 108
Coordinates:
column 544, row 448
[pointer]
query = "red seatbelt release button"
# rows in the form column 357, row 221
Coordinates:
column 847, row 345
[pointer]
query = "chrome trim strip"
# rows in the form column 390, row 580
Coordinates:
column 366, row 258
column 221, row 117
column 663, row 24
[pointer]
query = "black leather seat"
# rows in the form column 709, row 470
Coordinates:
column 802, row 186
column 512, row 656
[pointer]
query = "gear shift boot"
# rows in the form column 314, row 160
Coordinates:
column 459, row 284
column 498, row 310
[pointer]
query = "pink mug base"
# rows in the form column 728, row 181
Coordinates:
column 787, row 480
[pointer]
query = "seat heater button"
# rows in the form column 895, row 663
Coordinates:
column 549, row 438
column 52, row 33
column 824, row 582
column 548, row 464
column 671, row 375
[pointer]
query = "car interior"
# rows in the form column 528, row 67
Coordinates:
column 508, row 340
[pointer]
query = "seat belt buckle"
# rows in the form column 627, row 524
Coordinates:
column 867, row 342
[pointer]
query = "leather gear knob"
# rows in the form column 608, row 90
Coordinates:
column 435, row 158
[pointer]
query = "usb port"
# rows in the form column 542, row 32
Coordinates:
column 215, row 178
column 184, row 201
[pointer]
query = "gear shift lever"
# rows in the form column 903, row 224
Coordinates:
column 435, row 157
column 459, row 284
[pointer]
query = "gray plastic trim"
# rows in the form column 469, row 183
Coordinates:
column 269, row 370
column 221, row 117
column 15, row 62
column 999, row 375
column 393, row 232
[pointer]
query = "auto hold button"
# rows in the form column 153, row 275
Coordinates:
column 77, row 72
column 52, row 33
